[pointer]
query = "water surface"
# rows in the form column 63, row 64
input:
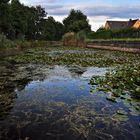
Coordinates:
column 57, row 103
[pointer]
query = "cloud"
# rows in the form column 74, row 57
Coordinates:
column 96, row 10
column 112, row 11
column 37, row 2
column 97, row 13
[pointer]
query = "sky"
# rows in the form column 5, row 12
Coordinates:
column 97, row 11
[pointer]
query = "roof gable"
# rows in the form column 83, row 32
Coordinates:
column 116, row 25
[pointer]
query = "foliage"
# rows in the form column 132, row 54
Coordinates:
column 102, row 33
column 127, row 33
column 4, row 16
column 53, row 30
column 81, row 56
column 4, row 42
column 18, row 21
column 69, row 36
column 123, row 79
column 90, row 35
column 76, row 21
column 81, row 35
column 126, row 79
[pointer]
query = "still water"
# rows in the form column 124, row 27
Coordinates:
column 60, row 106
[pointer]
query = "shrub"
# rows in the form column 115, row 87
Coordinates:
column 69, row 36
column 5, row 43
column 81, row 35
column 111, row 34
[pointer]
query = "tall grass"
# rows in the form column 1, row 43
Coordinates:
column 6, row 43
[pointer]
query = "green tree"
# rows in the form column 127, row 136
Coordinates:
column 59, row 30
column 39, row 20
column 53, row 30
column 49, row 30
column 19, row 19
column 76, row 21
column 4, row 17
column 35, row 22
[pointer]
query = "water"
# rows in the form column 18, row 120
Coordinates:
column 60, row 106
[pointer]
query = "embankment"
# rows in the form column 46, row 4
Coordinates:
column 116, row 45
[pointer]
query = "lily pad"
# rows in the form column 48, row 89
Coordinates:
column 121, row 112
column 127, row 103
column 134, row 112
column 111, row 98
column 122, row 118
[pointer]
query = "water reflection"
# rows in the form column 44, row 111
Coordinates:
column 61, row 107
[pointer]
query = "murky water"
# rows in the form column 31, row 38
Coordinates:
column 55, row 103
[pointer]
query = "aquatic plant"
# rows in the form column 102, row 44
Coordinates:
column 81, row 56
column 125, row 79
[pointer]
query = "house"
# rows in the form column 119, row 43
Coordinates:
column 137, row 24
column 117, row 25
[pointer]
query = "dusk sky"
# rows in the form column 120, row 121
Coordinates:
column 98, row 11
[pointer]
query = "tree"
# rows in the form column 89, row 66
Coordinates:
column 53, row 30
column 4, row 16
column 59, row 30
column 35, row 22
column 39, row 20
column 19, row 19
column 76, row 21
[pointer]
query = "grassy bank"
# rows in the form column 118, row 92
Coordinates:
column 6, row 44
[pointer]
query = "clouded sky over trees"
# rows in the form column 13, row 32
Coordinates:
column 98, row 11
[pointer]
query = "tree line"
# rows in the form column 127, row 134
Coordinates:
column 18, row 21
column 103, row 33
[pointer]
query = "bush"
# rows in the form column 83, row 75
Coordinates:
column 69, row 36
column 112, row 34
column 81, row 35
column 5, row 43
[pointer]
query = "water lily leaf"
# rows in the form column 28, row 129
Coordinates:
column 82, row 87
column 137, row 89
column 134, row 112
column 127, row 103
column 122, row 118
column 111, row 98
column 121, row 112
column 93, row 91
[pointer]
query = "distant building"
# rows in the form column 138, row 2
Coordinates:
column 117, row 25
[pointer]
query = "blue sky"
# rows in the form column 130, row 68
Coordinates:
column 98, row 11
